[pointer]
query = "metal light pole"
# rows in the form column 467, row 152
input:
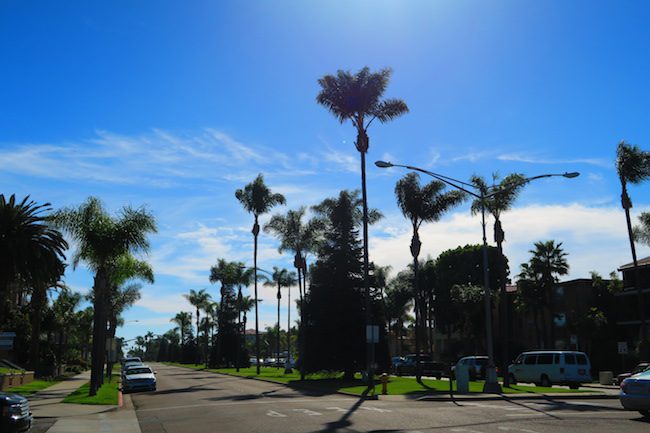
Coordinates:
column 491, row 384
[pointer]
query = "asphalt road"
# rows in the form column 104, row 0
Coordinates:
column 188, row 401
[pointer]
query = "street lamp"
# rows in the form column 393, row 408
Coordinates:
column 491, row 383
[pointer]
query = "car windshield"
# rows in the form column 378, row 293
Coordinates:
column 641, row 367
column 138, row 370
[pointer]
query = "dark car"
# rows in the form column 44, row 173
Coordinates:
column 15, row 415
column 428, row 367
column 641, row 367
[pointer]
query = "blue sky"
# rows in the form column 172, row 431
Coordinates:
column 175, row 105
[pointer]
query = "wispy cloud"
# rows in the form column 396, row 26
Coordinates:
column 531, row 159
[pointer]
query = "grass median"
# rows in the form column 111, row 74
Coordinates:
column 333, row 382
column 106, row 394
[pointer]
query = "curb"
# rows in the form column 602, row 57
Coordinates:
column 506, row 397
column 441, row 398
column 120, row 399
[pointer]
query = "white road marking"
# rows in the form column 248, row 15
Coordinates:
column 234, row 403
column 517, row 429
column 494, row 406
column 338, row 409
column 375, row 409
column 307, row 412
column 466, row 430
column 276, row 414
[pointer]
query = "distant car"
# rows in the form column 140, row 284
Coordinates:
column 130, row 364
column 476, row 366
column 635, row 393
column 640, row 367
column 15, row 415
column 139, row 377
column 428, row 367
column 126, row 359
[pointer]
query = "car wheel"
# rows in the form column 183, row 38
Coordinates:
column 645, row 413
column 574, row 385
column 513, row 379
column 546, row 382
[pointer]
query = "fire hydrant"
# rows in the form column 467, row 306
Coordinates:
column 384, row 384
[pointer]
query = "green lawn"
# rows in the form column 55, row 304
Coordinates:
column 396, row 385
column 32, row 387
column 106, row 394
column 6, row 370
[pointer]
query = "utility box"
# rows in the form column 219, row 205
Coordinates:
column 606, row 377
column 462, row 379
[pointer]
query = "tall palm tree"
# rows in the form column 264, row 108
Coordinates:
column 548, row 261
column 421, row 204
column 243, row 276
column 31, row 255
column 257, row 199
column 101, row 240
column 198, row 299
column 299, row 238
column 511, row 186
column 357, row 98
column 184, row 322
column 281, row 278
column 633, row 167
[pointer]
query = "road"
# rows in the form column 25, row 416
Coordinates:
column 190, row 401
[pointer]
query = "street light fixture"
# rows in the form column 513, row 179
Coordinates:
column 491, row 383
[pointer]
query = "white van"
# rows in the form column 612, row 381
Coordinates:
column 551, row 367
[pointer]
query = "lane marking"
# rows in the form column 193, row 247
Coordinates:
column 338, row 409
column 375, row 409
column 466, row 430
column 276, row 414
column 307, row 412
column 237, row 403
column 517, row 429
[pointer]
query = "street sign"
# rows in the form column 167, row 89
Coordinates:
column 372, row 334
column 622, row 347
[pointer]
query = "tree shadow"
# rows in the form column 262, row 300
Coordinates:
column 344, row 421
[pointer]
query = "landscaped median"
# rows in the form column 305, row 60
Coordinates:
column 107, row 394
column 333, row 382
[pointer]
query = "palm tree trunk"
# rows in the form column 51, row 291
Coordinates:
column 301, row 334
column 277, row 360
column 99, row 327
column 370, row 348
column 637, row 279
column 503, row 307
column 256, row 229
column 415, row 251
column 38, row 301
column 288, row 367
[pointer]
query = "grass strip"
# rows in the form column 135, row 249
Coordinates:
column 32, row 387
column 106, row 394
column 332, row 382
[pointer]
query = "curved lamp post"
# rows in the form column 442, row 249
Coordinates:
column 491, row 383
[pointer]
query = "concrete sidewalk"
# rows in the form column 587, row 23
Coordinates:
column 82, row 418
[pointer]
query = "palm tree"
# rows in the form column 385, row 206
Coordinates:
column 511, row 186
column 300, row 239
column 548, row 261
column 257, row 199
column 101, row 240
column 198, row 300
column 633, row 167
column 32, row 255
column 358, row 98
column 281, row 278
column 184, row 321
column 422, row 204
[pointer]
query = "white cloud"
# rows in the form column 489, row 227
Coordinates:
column 532, row 159
column 594, row 237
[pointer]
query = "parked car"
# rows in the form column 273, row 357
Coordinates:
column 551, row 367
column 131, row 359
column 428, row 367
column 15, row 415
column 641, row 366
column 476, row 365
column 635, row 393
column 138, row 377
